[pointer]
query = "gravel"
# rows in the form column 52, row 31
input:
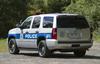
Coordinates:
column 31, row 57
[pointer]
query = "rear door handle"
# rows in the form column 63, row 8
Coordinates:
column 37, row 31
column 26, row 32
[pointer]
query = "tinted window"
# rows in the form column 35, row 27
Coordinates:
column 71, row 22
column 47, row 22
column 36, row 22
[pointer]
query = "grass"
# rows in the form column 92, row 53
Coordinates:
column 96, row 36
column 3, row 45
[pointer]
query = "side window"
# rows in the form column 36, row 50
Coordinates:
column 47, row 22
column 26, row 23
column 36, row 22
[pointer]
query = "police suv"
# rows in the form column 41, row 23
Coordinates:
column 47, row 33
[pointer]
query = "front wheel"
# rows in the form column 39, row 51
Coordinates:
column 42, row 49
column 13, row 49
column 79, row 53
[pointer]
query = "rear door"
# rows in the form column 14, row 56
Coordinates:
column 46, row 29
column 72, row 28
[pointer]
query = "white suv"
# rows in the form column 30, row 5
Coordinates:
column 51, row 32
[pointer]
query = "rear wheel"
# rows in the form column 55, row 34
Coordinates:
column 42, row 49
column 79, row 53
column 13, row 49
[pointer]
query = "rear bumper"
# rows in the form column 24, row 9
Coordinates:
column 54, row 44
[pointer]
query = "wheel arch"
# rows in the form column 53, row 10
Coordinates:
column 40, row 38
column 16, row 49
column 11, row 37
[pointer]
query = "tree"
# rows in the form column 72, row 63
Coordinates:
column 57, row 6
column 88, row 8
column 11, row 11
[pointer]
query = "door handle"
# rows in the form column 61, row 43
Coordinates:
column 26, row 32
column 37, row 31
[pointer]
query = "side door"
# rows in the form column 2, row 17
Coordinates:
column 32, row 33
column 25, row 27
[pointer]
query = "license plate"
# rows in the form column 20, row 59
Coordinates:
column 73, row 35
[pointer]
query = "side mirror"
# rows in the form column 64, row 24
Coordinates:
column 18, row 25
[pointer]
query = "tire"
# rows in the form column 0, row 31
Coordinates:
column 42, row 49
column 79, row 53
column 13, row 49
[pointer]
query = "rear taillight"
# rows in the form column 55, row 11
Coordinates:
column 54, row 33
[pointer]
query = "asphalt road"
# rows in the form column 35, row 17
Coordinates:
column 29, row 57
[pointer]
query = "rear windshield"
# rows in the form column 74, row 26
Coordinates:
column 72, row 22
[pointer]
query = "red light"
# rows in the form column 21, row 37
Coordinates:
column 54, row 33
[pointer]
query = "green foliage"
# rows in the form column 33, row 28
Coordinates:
column 88, row 8
column 3, row 45
column 35, row 6
column 57, row 6
column 12, row 11
column 46, row 6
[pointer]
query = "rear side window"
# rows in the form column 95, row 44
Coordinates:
column 47, row 22
column 36, row 22
column 72, row 22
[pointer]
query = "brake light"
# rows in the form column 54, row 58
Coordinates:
column 54, row 33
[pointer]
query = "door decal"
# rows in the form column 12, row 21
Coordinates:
column 36, row 35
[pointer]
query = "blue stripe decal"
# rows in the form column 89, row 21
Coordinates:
column 31, row 35
column 35, row 35
column 17, row 36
